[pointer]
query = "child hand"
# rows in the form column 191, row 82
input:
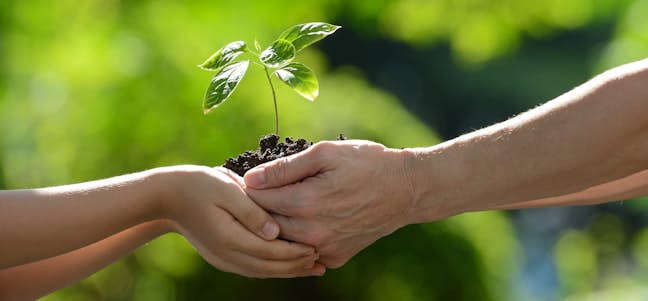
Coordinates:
column 227, row 228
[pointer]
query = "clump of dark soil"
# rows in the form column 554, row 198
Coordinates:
column 269, row 149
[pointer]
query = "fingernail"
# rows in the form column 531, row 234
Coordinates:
column 255, row 178
column 319, row 272
column 270, row 230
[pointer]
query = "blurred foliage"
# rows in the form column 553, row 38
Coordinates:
column 94, row 89
column 479, row 31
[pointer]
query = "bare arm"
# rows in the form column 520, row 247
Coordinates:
column 41, row 223
column 629, row 187
column 206, row 205
column 592, row 135
column 32, row 280
column 589, row 145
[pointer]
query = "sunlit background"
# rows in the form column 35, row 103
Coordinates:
column 93, row 89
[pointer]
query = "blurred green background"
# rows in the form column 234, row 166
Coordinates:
column 92, row 89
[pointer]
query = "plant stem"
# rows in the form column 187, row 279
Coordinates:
column 274, row 98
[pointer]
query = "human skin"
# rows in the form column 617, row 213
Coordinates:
column 587, row 146
column 45, row 230
column 625, row 188
column 32, row 280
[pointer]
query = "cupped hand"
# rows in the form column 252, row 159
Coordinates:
column 338, row 196
column 228, row 229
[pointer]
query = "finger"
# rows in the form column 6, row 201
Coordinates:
column 338, row 253
column 286, row 170
column 246, row 265
column 299, row 230
column 229, row 259
column 249, row 214
column 264, row 268
column 246, row 242
column 287, row 200
column 234, row 176
column 318, row 269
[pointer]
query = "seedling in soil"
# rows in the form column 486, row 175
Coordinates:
column 276, row 59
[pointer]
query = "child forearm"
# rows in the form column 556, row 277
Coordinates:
column 32, row 280
column 41, row 223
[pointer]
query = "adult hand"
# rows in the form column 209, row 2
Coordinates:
column 212, row 211
column 338, row 196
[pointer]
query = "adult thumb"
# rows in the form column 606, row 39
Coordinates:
column 286, row 170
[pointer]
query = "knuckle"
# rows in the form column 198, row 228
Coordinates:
column 278, row 169
column 253, row 217
column 322, row 148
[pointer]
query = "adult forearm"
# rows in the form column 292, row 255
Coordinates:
column 41, row 223
column 33, row 280
column 594, row 134
column 632, row 186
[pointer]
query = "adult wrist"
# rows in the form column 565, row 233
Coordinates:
column 414, row 191
column 437, row 183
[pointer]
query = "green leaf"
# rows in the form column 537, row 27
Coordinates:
column 223, row 56
column 223, row 85
column 305, row 34
column 301, row 79
column 278, row 54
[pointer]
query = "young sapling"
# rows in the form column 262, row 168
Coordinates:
column 276, row 59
